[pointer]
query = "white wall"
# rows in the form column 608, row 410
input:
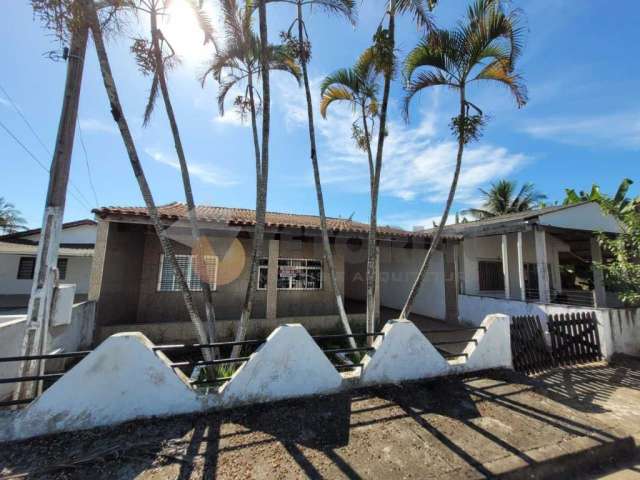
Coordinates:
column 490, row 248
column 76, row 335
column 588, row 216
column 79, row 234
column 78, row 271
column 398, row 270
column 618, row 328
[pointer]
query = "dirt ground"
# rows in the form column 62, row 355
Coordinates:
column 564, row 422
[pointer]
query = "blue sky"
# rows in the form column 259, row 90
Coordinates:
column 582, row 124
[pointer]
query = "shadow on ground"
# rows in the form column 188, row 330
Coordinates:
column 491, row 425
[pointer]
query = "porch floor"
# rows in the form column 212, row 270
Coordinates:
column 439, row 332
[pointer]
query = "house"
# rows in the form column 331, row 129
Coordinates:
column 135, row 288
column 18, row 257
column 499, row 259
column 544, row 256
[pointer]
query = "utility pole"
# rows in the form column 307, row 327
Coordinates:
column 45, row 277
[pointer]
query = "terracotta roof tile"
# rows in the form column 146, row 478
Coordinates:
column 242, row 216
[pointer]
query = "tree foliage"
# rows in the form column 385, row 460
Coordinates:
column 504, row 197
column 10, row 218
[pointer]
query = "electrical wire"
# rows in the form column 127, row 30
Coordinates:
column 86, row 162
column 42, row 144
column 37, row 160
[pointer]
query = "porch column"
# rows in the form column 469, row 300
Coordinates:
column 376, row 295
column 541, row 264
column 523, row 292
column 505, row 266
column 272, row 279
column 599, row 293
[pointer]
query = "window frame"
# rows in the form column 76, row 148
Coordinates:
column 187, row 274
column 33, row 268
column 320, row 268
column 500, row 274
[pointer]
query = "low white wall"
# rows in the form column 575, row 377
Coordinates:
column 403, row 353
column 76, row 335
column 125, row 379
column 618, row 328
column 11, row 335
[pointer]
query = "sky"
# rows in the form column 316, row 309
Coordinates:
column 581, row 125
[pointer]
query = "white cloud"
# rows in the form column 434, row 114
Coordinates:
column 618, row 130
column 231, row 118
column 95, row 125
column 417, row 165
column 4, row 103
column 205, row 173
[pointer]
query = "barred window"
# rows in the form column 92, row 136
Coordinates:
column 193, row 268
column 27, row 267
column 293, row 274
column 62, row 268
column 491, row 277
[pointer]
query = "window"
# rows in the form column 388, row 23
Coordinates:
column 62, row 268
column 27, row 267
column 293, row 274
column 192, row 271
column 490, row 275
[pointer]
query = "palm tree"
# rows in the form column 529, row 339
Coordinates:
column 358, row 86
column 502, row 199
column 118, row 116
column 301, row 48
column 484, row 47
column 241, row 60
column 384, row 54
column 152, row 61
column 10, row 217
column 619, row 204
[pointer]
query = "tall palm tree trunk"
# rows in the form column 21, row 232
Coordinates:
column 408, row 306
column 262, row 182
column 326, row 245
column 375, row 187
column 118, row 116
column 186, row 181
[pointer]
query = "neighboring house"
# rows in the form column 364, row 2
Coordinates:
column 18, row 256
column 542, row 256
column 135, row 288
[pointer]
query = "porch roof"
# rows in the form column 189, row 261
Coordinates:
column 584, row 216
column 224, row 216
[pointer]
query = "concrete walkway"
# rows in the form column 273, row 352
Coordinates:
column 560, row 425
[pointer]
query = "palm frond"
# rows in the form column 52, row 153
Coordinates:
column 347, row 8
column 421, row 81
column 500, row 71
column 151, row 101
column 223, row 89
column 419, row 10
column 345, row 77
column 333, row 94
column 204, row 21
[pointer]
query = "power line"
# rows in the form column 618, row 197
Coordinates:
column 86, row 162
column 37, row 160
column 41, row 142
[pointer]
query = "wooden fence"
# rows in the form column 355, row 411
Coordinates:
column 573, row 338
